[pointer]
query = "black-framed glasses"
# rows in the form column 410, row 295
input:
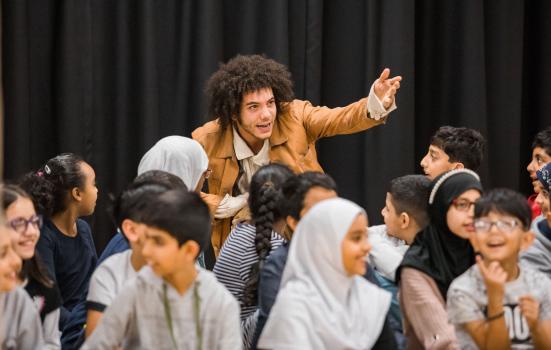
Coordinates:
column 503, row 225
column 462, row 204
column 20, row 225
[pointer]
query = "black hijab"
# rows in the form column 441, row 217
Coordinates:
column 436, row 250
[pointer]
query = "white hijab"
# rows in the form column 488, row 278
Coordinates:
column 177, row 155
column 319, row 306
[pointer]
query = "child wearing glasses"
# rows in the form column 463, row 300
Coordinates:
column 172, row 303
column 498, row 303
column 438, row 254
column 64, row 190
column 19, row 322
column 22, row 218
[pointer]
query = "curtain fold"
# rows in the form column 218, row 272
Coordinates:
column 107, row 79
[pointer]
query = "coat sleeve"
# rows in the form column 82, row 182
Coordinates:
column 324, row 122
column 424, row 308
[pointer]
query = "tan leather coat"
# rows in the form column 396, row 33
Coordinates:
column 292, row 143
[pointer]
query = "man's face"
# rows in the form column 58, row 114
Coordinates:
column 436, row 162
column 539, row 159
column 256, row 116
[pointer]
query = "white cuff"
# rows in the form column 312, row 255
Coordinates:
column 375, row 107
column 229, row 206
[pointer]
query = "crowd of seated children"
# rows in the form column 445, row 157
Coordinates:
column 300, row 268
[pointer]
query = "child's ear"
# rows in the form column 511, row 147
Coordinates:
column 75, row 193
column 527, row 240
column 405, row 220
column 458, row 165
column 128, row 228
column 191, row 250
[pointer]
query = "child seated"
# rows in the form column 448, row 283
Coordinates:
column 498, row 303
column 63, row 191
column 250, row 243
column 453, row 148
column 541, row 155
column 117, row 270
column 33, row 277
column 20, row 326
column 538, row 255
column 439, row 254
column 324, row 302
column 405, row 214
column 172, row 303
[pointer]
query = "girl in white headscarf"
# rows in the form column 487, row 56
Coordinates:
column 180, row 156
column 324, row 302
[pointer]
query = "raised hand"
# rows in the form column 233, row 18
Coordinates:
column 530, row 309
column 385, row 88
column 494, row 276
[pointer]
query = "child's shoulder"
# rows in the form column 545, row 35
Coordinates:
column 533, row 277
column 468, row 280
column 83, row 227
column 211, row 289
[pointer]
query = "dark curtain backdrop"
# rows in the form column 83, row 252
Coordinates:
column 107, row 79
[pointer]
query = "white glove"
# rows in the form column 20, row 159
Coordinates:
column 229, row 206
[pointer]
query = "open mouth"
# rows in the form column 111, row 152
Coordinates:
column 264, row 128
column 495, row 245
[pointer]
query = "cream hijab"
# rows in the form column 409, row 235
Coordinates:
column 177, row 155
column 319, row 306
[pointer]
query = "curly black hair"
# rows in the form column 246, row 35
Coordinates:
column 241, row 75
column 50, row 185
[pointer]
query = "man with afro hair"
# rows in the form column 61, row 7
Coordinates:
column 256, row 120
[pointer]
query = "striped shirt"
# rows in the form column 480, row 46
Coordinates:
column 233, row 269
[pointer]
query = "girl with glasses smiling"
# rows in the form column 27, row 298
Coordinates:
column 22, row 218
column 439, row 254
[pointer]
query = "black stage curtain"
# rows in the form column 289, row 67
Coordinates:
column 107, row 79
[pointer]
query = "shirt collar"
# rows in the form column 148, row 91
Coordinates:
column 242, row 150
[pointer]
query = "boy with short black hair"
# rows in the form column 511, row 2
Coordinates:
column 113, row 273
column 453, row 148
column 172, row 303
column 498, row 302
column 405, row 214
